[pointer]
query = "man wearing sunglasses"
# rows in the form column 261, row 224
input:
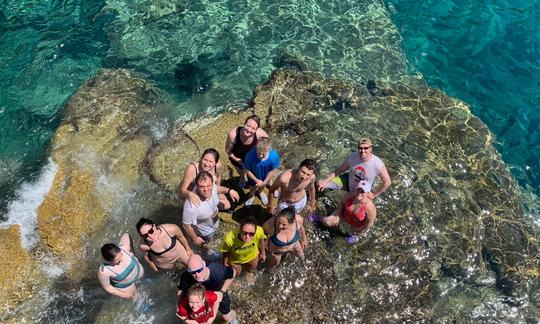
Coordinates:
column 214, row 277
column 201, row 222
column 363, row 165
column 163, row 245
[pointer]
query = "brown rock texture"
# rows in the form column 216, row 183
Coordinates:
column 18, row 272
column 103, row 139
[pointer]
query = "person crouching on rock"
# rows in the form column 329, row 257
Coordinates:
column 121, row 269
column 357, row 210
column 286, row 233
column 163, row 245
column 261, row 164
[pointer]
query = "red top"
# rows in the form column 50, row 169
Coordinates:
column 359, row 220
column 203, row 314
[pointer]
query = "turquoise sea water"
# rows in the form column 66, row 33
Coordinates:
column 210, row 55
column 48, row 49
column 487, row 53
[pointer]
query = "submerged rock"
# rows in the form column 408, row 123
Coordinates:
column 453, row 205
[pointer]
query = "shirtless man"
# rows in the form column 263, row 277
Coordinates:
column 163, row 245
column 293, row 184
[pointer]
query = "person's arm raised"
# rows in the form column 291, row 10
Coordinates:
column 183, row 192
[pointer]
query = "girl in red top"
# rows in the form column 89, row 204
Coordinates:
column 356, row 209
column 199, row 305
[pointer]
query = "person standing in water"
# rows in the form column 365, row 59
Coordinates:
column 121, row 269
column 240, row 141
column 285, row 233
column 293, row 184
column 244, row 247
column 362, row 165
column 163, row 245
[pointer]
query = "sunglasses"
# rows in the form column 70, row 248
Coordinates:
column 150, row 231
column 192, row 272
column 248, row 233
column 363, row 148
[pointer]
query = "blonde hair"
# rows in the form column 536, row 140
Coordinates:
column 198, row 290
column 263, row 144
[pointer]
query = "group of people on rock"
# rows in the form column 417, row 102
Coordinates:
column 203, row 287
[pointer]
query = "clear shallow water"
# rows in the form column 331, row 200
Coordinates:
column 487, row 53
column 48, row 49
column 207, row 55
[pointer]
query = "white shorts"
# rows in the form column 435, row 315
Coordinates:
column 298, row 206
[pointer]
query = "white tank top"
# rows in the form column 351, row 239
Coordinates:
column 367, row 170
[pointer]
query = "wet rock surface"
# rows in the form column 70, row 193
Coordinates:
column 18, row 272
column 98, row 150
column 453, row 210
column 451, row 239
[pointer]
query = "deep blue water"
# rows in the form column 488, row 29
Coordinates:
column 486, row 53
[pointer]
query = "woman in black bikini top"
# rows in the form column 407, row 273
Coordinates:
column 153, row 239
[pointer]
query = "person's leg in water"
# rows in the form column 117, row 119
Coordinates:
column 273, row 259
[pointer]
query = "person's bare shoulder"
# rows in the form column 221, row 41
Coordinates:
column 171, row 228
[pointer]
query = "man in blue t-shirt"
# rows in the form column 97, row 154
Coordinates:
column 260, row 164
column 214, row 277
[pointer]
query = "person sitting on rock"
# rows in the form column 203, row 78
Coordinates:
column 363, row 166
column 357, row 210
column 240, row 141
column 163, row 245
column 214, row 277
column 285, row 233
column 201, row 222
column 293, row 183
column 121, row 269
column 199, row 305
column 243, row 247
column 260, row 164
column 210, row 163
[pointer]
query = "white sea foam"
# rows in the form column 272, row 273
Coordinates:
column 23, row 211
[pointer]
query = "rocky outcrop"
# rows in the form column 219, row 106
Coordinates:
column 18, row 272
column 453, row 210
column 101, row 144
column 453, row 214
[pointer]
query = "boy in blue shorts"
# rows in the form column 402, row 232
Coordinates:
column 260, row 164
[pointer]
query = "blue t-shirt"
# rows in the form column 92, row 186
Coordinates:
column 261, row 168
